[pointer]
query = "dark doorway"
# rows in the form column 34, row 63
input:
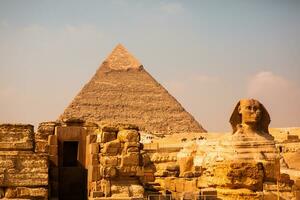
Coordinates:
column 72, row 175
column 70, row 153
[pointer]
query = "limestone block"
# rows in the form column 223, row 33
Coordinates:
column 190, row 185
column 128, row 145
column 172, row 167
column 130, row 159
column 53, row 150
column 93, row 159
column 41, row 146
column 107, row 161
column 24, row 169
column 92, row 186
column 119, row 191
column 106, row 136
column 93, row 173
column 129, row 136
column 106, row 187
column 25, row 192
column 146, row 160
column 186, row 165
column 108, row 172
column 271, row 186
column 130, row 171
column 27, row 179
column 16, row 137
column 44, row 130
column 163, row 157
column 233, row 175
column 148, row 176
column 111, row 148
column 136, row 191
column 91, row 139
column 297, row 194
column 11, row 193
column 161, row 173
column 271, row 170
column 169, row 183
column 188, row 174
column 52, row 139
column 96, row 194
column 245, row 194
column 94, row 148
column 179, row 185
column 209, row 191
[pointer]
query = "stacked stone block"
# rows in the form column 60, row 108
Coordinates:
column 115, row 163
column 23, row 173
column 46, row 143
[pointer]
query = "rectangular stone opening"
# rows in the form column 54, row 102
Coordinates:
column 70, row 153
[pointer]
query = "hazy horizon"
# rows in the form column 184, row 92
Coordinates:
column 207, row 54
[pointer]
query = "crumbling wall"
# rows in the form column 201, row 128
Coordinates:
column 46, row 144
column 116, row 163
column 23, row 172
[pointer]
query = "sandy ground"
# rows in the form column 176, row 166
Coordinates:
column 280, row 135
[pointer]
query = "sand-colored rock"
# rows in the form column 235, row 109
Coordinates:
column 27, row 193
column 16, row 137
column 111, row 148
column 115, row 172
column 23, row 173
column 128, row 136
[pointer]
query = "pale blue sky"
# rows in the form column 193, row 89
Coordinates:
column 208, row 54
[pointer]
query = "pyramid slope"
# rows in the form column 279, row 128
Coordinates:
column 122, row 91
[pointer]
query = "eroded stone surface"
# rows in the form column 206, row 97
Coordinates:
column 117, row 169
column 16, row 137
column 23, row 173
column 236, row 165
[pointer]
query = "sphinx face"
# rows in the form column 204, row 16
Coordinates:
column 250, row 111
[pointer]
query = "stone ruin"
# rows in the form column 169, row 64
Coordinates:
column 94, row 152
column 243, row 165
column 116, row 163
column 79, row 160
column 108, row 161
column 23, row 168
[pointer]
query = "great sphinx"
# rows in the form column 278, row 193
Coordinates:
column 250, row 117
column 245, row 159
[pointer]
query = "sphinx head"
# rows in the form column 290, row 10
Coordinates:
column 251, row 113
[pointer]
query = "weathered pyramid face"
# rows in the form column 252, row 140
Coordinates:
column 121, row 59
column 122, row 91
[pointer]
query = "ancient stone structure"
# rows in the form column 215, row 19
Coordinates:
column 243, row 165
column 94, row 152
column 246, row 163
column 23, row 170
column 116, row 164
column 122, row 91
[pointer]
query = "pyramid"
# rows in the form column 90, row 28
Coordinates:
column 122, row 91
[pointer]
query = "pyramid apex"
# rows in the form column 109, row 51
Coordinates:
column 121, row 59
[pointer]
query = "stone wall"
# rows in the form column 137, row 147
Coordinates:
column 116, row 163
column 23, row 172
column 46, row 144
